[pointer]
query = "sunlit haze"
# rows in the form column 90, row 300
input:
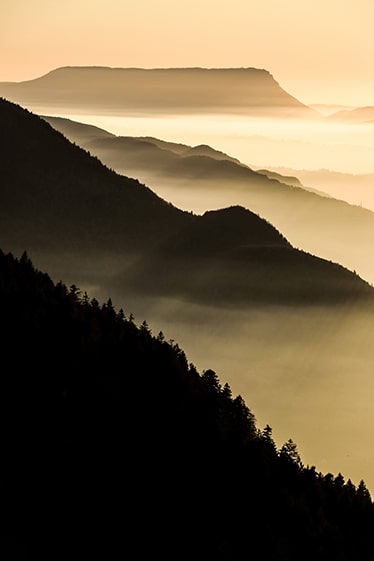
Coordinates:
column 308, row 373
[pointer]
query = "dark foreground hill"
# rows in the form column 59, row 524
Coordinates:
column 114, row 446
column 64, row 206
column 249, row 91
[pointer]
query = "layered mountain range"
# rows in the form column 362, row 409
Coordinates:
column 288, row 328
column 200, row 178
column 357, row 189
column 60, row 203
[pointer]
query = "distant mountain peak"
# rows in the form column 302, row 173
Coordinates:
column 356, row 115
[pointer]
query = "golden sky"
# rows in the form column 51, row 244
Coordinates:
column 318, row 50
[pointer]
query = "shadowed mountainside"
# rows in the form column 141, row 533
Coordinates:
column 56, row 195
column 234, row 257
column 200, row 178
column 234, row 90
column 56, row 198
column 114, row 445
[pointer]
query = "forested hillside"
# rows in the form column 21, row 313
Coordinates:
column 114, row 446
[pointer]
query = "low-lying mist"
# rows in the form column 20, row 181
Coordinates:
column 356, row 189
column 259, row 142
column 304, row 370
column 199, row 179
column 307, row 372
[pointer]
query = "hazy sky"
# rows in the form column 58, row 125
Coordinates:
column 318, row 50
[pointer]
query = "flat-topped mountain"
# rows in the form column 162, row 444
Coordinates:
column 62, row 204
column 233, row 90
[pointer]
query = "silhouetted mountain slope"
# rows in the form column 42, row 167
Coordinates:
column 332, row 228
column 238, row 90
column 233, row 257
column 291, row 180
column 82, row 131
column 148, row 157
column 56, row 198
column 56, row 195
column 142, row 154
column 114, row 446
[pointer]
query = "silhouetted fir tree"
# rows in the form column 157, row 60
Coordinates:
column 114, row 446
column 288, row 453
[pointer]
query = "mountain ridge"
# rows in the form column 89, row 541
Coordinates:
column 58, row 199
column 56, row 161
column 304, row 215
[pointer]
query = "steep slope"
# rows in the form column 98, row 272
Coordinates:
column 238, row 90
column 57, row 199
column 200, row 179
column 55, row 195
column 114, row 445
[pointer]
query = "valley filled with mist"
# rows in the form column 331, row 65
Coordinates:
column 303, row 362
